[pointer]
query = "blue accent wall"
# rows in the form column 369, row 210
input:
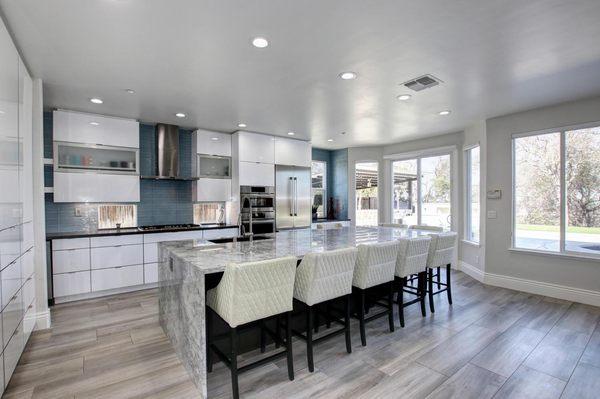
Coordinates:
column 161, row 201
column 337, row 177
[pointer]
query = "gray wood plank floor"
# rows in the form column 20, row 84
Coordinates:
column 492, row 343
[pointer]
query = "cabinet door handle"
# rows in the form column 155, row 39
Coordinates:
column 119, row 267
column 14, row 297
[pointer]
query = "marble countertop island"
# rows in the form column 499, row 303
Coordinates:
column 184, row 266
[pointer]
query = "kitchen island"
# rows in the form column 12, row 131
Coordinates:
column 185, row 267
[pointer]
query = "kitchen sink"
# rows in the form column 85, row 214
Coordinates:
column 239, row 239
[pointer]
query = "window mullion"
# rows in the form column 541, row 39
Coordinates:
column 419, row 191
column 563, row 191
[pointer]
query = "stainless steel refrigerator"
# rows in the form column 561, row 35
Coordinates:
column 293, row 199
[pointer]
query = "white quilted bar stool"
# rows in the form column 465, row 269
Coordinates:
column 375, row 267
column 436, row 229
column 441, row 253
column 250, row 292
column 412, row 261
column 323, row 277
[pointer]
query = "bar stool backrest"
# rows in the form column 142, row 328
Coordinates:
column 412, row 256
column 375, row 264
column 255, row 290
column 322, row 276
column 441, row 249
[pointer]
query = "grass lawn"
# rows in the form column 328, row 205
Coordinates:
column 571, row 229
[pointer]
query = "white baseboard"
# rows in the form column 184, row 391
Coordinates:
column 531, row 286
column 99, row 294
column 42, row 320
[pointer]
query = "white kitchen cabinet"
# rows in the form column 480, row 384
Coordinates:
column 29, row 320
column 109, row 257
column 220, row 233
column 12, row 279
column 256, row 174
column 70, row 243
column 12, row 353
column 12, row 315
column 2, row 383
column 70, row 260
column 25, row 138
column 27, row 265
column 115, row 241
column 95, row 187
column 211, row 143
column 72, row 283
column 118, row 277
column 211, row 190
column 28, row 292
column 10, row 245
column 292, row 152
column 76, row 127
column 151, row 242
column 254, row 147
column 27, row 231
column 150, row 273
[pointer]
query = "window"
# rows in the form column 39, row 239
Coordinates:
column 209, row 212
column 473, row 194
column 422, row 191
column 110, row 215
column 367, row 176
column 319, row 189
column 557, row 191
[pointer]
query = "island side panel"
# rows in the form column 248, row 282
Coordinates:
column 181, row 303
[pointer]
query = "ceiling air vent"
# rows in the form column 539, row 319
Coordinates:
column 423, row 82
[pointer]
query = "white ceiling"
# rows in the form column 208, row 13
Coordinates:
column 195, row 56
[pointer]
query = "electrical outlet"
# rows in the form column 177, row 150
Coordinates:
column 78, row 212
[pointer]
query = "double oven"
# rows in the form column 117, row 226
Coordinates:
column 258, row 202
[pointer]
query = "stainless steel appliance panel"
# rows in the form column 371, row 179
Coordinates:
column 303, row 212
column 284, row 203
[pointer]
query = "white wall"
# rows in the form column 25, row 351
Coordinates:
column 576, row 273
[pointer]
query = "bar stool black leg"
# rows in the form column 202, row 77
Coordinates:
column 448, row 286
column 278, row 331
column 263, row 337
column 391, row 305
column 328, row 314
column 234, row 369
column 439, row 278
column 361, row 318
column 401, row 301
column 347, row 325
column 422, row 291
column 430, row 289
column 309, row 343
column 317, row 319
column 209, row 327
column 288, row 343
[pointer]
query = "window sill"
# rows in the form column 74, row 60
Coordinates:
column 582, row 257
column 471, row 243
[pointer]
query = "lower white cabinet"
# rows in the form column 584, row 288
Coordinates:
column 150, row 273
column 12, row 316
column 220, row 233
column 72, row 283
column 125, row 255
column 12, row 280
column 12, row 352
column 1, row 373
column 29, row 320
column 256, row 174
column 71, row 260
column 117, row 277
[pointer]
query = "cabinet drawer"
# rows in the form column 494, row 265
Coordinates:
column 28, row 292
column 27, row 265
column 11, row 316
column 27, row 236
column 29, row 321
column 12, row 353
column 220, row 233
column 180, row 235
column 151, row 253
column 150, row 273
column 1, row 374
column 70, row 243
column 11, row 281
column 118, row 277
column 106, row 257
column 10, row 245
column 113, row 241
column 72, row 283
column 70, row 260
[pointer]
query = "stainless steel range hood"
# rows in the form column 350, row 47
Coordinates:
column 167, row 154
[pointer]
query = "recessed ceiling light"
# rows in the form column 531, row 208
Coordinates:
column 130, row 91
column 242, row 125
column 404, row 97
column 96, row 100
column 330, row 140
column 260, row 42
column 180, row 115
column 94, row 123
column 214, row 138
column 445, row 112
column 291, row 133
column 348, row 75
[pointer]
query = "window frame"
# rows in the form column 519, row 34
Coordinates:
column 563, row 191
column 468, row 219
column 324, row 188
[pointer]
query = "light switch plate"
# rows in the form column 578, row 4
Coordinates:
column 492, row 214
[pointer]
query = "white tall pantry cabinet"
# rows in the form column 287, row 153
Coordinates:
column 17, row 280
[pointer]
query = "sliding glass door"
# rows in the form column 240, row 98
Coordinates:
column 366, row 178
column 422, row 191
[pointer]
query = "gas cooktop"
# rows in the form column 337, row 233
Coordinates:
column 169, row 227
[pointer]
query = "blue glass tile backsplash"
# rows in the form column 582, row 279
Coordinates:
column 161, row 201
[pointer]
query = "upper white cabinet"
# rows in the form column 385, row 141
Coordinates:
column 211, row 143
column 211, row 190
column 256, row 174
column 90, row 187
column 25, row 139
column 292, row 152
column 254, row 147
column 77, row 127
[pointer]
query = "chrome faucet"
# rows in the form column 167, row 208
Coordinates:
column 242, row 229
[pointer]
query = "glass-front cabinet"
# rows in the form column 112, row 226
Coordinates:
column 214, row 166
column 75, row 157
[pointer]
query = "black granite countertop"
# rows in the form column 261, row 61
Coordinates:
column 325, row 220
column 134, row 230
